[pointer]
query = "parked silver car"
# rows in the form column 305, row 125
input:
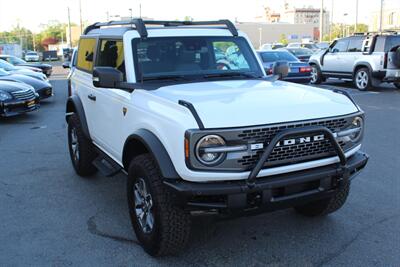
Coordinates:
column 367, row 60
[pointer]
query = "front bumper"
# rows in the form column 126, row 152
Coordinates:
column 267, row 193
column 16, row 107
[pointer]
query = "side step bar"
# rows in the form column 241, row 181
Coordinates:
column 107, row 166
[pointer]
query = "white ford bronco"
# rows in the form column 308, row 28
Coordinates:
column 186, row 111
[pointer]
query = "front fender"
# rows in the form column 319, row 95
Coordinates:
column 152, row 145
column 74, row 106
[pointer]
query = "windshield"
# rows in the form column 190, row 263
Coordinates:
column 3, row 72
column 31, row 54
column 15, row 60
column 193, row 56
column 6, row 66
column 275, row 56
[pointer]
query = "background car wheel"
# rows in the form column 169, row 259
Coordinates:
column 161, row 227
column 325, row 206
column 316, row 75
column 81, row 149
column 362, row 79
column 397, row 85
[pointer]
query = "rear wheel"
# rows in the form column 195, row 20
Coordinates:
column 161, row 227
column 316, row 75
column 362, row 79
column 325, row 206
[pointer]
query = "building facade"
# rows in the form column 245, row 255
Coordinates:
column 390, row 20
column 306, row 16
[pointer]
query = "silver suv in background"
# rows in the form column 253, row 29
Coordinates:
column 367, row 60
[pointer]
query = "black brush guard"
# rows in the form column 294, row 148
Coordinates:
column 263, row 192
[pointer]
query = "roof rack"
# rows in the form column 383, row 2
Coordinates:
column 140, row 25
column 376, row 33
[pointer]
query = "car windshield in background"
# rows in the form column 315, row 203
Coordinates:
column 31, row 54
column 6, row 66
column 15, row 60
column 276, row 56
column 177, row 57
column 301, row 52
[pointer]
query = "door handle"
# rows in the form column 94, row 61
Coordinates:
column 92, row 97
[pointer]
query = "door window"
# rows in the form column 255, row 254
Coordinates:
column 340, row 46
column 355, row 44
column 111, row 54
column 86, row 54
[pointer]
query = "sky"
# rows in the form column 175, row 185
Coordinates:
column 32, row 13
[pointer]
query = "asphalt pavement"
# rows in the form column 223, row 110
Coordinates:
column 51, row 217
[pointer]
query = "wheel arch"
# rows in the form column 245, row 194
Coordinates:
column 143, row 141
column 74, row 106
column 361, row 64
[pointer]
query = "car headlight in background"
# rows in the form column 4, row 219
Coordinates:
column 205, row 152
column 4, row 96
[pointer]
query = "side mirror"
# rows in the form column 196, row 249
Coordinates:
column 66, row 65
column 107, row 77
column 281, row 69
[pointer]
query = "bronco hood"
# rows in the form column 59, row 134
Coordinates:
column 254, row 102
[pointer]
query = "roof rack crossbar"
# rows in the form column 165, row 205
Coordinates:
column 140, row 25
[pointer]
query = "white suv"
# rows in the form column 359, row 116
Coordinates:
column 186, row 111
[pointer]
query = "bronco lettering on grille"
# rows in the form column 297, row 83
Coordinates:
column 300, row 140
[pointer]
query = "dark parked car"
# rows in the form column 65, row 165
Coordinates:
column 16, row 61
column 21, row 70
column 43, row 88
column 303, row 54
column 17, row 98
column 299, row 72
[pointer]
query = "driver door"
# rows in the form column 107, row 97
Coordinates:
column 335, row 58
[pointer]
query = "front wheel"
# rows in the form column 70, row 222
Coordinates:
column 325, row 206
column 316, row 75
column 81, row 149
column 362, row 79
column 161, row 227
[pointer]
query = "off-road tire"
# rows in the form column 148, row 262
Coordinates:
column 318, row 72
column 83, row 166
column 368, row 85
column 171, row 229
column 397, row 85
column 325, row 206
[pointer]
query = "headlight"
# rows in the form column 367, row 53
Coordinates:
column 206, row 157
column 4, row 96
column 352, row 133
column 358, row 126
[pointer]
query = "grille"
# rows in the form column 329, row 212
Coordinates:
column 295, row 153
column 23, row 95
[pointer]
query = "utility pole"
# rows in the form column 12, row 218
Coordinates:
column 331, row 24
column 259, row 38
column 69, row 29
column 381, row 17
column 321, row 22
column 80, row 16
column 33, row 41
column 130, row 11
column 140, row 10
column 355, row 25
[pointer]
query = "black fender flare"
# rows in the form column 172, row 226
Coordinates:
column 154, row 146
column 74, row 106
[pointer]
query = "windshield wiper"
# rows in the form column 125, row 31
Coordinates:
column 231, row 74
column 165, row 77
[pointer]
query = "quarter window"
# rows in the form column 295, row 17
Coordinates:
column 86, row 54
